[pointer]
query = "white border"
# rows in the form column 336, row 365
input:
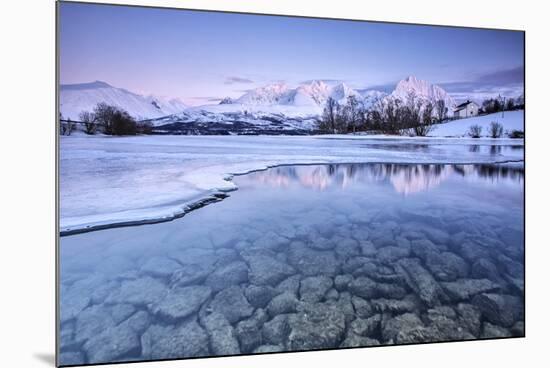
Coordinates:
column 27, row 153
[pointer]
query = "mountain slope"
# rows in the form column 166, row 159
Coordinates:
column 314, row 93
column 272, row 108
column 424, row 91
column 276, row 93
column 341, row 92
column 371, row 96
column 75, row 98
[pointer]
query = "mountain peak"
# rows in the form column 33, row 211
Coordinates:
column 317, row 83
column 314, row 92
column 89, row 85
column 341, row 85
column 419, row 86
column 100, row 84
column 270, row 94
column 423, row 90
column 413, row 82
column 226, row 101
column 342, row 91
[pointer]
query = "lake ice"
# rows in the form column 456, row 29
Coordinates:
column 114, row 180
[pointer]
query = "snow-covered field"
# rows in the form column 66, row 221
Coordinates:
column 511, row 120
column 110, row 180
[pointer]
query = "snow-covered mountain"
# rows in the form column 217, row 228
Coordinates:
column 341, row 92
column 271, row 108
column 313, row 94
column 75, row 98
column 371, row 96
column 278, row 108
column 422, row 90
column 272, row 94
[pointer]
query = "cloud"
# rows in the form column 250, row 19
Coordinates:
column 506, row 76
column 202, row 100
column 387, row 88
column 246, row 90
column 237, row 80
column 505, row 82
column 325, row 80
column 212, row 99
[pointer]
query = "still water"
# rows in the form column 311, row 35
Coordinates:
column 302, row 258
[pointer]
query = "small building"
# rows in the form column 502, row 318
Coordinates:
column 466, row 109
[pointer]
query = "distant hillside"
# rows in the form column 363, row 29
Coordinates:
column 271, row 109
column 75, row 98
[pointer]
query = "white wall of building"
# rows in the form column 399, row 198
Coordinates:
column 471, row 109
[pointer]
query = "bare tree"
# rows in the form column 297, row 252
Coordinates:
column 328, row 120
column 123, row 123
column 520, row 102
column 475, row 131
column 362, row 116
column 495, row 130
column 341, row 119
column 104, row 116
column 425, row 124
column 411, row 113
column 375, row 116
column 144, row 127
column 492, row 105
column 391, row 116
column 441, row 110
column 62, row 126
column 90, row 122
column 114, row 121
column 352, row 108
column 69, row 125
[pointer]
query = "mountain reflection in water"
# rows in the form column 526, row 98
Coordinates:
column 405, row 178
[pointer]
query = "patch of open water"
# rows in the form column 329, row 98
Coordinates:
column 305, row 257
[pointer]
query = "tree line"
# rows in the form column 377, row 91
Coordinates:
column 412, row 116
column 388, row 116
column 106, row 119
column 492, row 105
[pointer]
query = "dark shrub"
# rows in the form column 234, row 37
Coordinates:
column 516, row 134
column 475, row 131
column 115, row 121
column 123, row 123
column 495, row 130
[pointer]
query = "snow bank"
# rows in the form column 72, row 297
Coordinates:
column 512, row 120
column 109, row 180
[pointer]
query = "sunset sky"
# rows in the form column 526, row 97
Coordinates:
column 204, row 56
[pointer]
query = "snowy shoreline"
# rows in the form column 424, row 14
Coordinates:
column 115, row 182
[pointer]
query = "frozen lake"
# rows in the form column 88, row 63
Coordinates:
column 308, row 257
column 117, row 180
